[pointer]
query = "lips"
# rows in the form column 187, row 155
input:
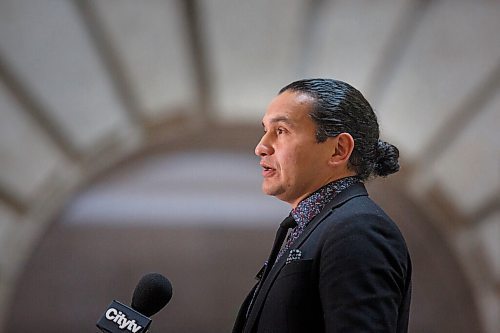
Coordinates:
column 267, row 170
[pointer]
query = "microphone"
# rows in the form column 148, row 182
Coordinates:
column 152, row 293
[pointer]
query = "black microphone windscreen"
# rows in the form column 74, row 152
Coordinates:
column 152, row 293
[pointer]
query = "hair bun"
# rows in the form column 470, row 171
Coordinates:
column 387, row 159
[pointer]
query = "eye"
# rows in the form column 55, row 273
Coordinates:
column 280, row 130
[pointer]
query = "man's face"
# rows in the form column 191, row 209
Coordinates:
column 294, row 163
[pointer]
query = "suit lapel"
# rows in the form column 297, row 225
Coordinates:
column 353, row 191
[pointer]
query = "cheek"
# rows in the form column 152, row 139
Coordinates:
column 290, row 161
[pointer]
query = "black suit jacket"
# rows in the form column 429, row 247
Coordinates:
column 354, row 275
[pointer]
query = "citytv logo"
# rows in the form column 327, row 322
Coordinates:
column 122, row 321
column 120, row 318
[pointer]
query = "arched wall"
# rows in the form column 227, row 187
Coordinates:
column 86, row 84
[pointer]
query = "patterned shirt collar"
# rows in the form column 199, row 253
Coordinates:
column 308, row 208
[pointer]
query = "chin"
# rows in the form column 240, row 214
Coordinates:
column 274, row 191
column 267, row 191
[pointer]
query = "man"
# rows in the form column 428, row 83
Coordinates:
column 344, row 267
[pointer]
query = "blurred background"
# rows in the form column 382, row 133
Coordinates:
column 127, row 131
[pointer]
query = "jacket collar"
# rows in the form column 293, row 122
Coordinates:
column 353, row 191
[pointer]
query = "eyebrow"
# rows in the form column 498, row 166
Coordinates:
column 279, row 119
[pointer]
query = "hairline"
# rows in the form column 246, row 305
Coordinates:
column 314, row 104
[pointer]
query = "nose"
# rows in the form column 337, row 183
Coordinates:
column 263, row 148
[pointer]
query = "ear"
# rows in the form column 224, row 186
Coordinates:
column 343, row 146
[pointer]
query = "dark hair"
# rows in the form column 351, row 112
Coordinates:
column 338, row 107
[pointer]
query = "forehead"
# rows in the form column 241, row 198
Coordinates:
column 289, row 107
